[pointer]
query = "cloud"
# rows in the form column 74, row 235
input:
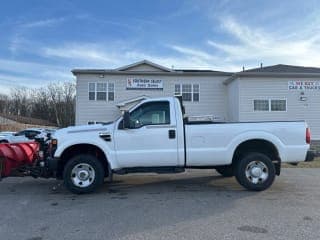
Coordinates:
column 80, row 52
column 227, row 49
column 193, row 52
column 42, row 23
column 9, row 82
column 23, row 67
column 106, row 55
column 30, row 74
column 19, row 41
column 254, row 44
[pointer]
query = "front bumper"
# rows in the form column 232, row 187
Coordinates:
column 310, row 156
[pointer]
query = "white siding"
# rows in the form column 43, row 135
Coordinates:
column 213, row 96
column 277, row 88
column 233, row 101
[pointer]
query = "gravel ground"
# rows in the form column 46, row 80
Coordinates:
column 198, row 204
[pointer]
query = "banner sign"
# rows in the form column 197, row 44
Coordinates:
column 144, row 83
column 304, row 85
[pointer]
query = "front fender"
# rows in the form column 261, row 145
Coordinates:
column 62, row 146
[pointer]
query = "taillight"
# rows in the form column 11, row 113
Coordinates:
column 308, row 136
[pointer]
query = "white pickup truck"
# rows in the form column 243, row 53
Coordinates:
column 154, row 136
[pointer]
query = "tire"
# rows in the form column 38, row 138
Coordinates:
column 255, row 172
column 83, row 173
column 225, row 171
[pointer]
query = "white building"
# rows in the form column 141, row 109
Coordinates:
column 273, row 93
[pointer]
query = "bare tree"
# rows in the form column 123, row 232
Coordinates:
column 62, row 96
column 4, row 99
column 54, row 103
column 20, row 101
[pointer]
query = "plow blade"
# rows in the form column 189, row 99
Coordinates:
column 16, row 155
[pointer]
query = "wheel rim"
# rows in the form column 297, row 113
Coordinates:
column 82, row 175
column 257, row 172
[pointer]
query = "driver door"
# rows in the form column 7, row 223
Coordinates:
column 151, row 140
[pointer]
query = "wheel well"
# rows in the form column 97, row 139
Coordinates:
column 81, row 149
column 257, row 145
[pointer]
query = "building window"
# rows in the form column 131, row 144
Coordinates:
column 261, row 105
column 101, row 91
column 189, row 92
column 196, row 92
column 111, row 92
column 278, row 105
column 270, row 105
column 177, row 90
column 92, row 91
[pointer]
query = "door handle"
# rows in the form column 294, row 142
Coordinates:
column 172, row 134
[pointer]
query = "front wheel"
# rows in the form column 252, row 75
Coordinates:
column 255, row 171
column 83, row 174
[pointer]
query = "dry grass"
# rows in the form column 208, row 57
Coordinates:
column 313, row 164
column 19, row 127
column 26, row 120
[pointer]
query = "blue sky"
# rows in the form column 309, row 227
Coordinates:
column 41, row 41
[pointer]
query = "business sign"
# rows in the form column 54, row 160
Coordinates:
column 144, row 83
column 304, row 85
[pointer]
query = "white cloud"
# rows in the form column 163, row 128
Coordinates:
column 80, row 52
column 193, row 52
column 255, row 45
column 22, row 67
column 99, row 56
column 30, row 74
column 42, row 23
column 9, row 82
column 19, row 41
column 249, row 45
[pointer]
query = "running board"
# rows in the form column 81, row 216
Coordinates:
column 159, row 170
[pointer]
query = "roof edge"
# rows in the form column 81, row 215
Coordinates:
column 269, row 74
column 175, row 73
column 123, row 68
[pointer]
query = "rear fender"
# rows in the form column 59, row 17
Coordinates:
column 255, row 135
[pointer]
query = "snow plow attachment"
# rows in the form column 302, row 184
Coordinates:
column 14, row 156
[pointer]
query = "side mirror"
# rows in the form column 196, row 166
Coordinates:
column 126, row 120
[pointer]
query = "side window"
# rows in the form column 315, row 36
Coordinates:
column 152, row 113
column 21, row 133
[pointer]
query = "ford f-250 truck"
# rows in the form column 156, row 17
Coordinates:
column 154, row 136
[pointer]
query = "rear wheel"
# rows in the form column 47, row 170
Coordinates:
column 255, row 171
column 83, row 174
column 225, row 171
